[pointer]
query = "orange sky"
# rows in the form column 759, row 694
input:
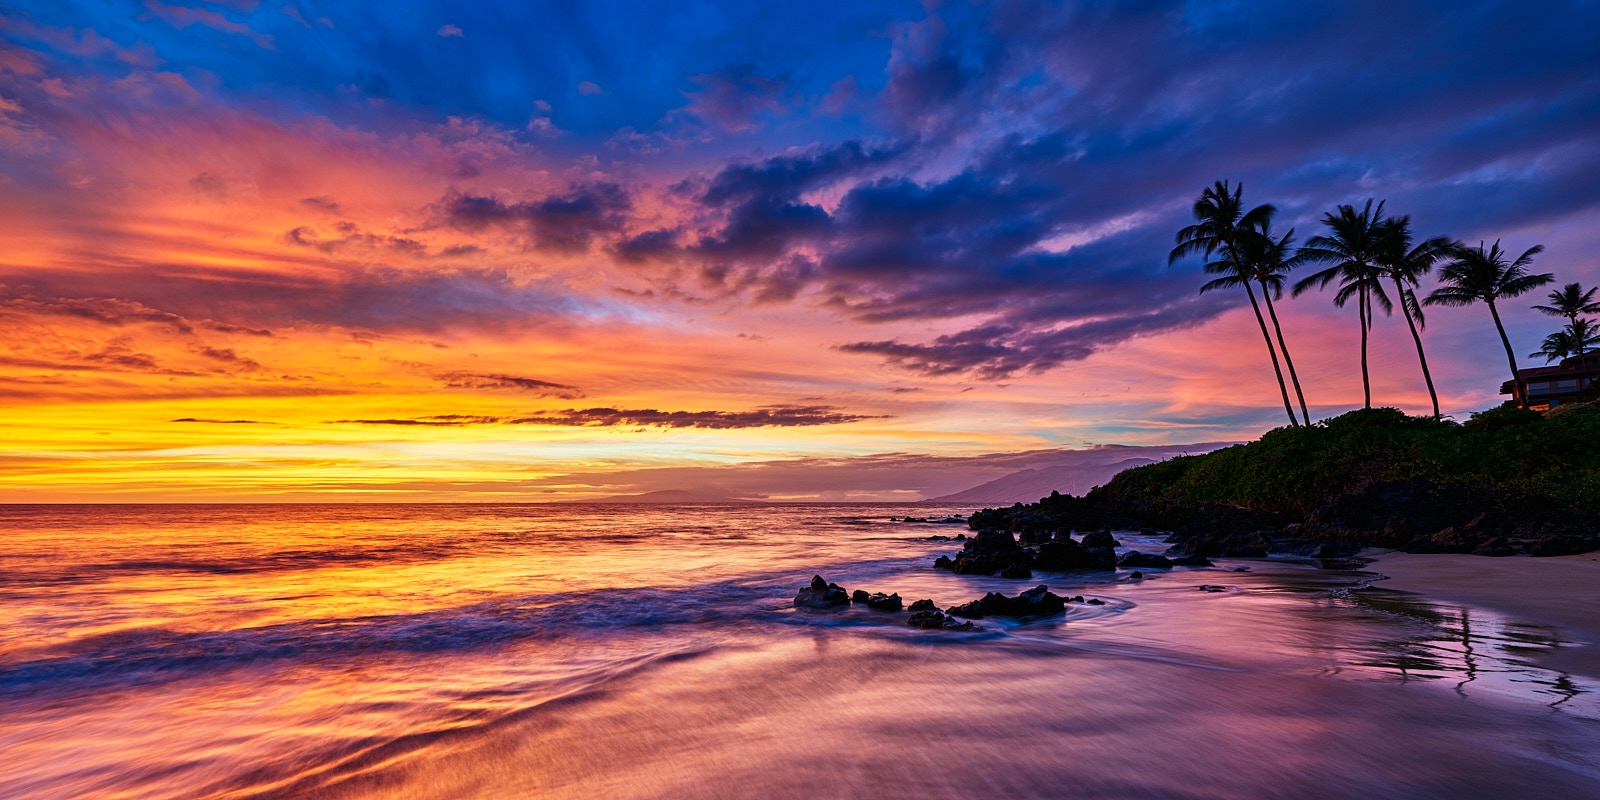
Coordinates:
column 210, row 299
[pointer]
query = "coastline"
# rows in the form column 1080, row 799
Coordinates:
column 1562, row 591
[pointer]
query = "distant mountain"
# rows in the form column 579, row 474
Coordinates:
column 675, row 496
column 1029, row 485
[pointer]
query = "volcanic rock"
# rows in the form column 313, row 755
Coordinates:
column 1144, row 560
column 821, row 594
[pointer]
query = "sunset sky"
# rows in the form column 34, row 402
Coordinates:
column 533, row 251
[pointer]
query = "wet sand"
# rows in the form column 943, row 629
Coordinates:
column 1562, row 591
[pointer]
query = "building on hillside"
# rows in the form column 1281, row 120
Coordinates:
column 1549, row 387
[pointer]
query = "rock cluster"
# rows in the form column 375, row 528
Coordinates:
column 1038, row 601
column 1001, row 551
column 821, row 594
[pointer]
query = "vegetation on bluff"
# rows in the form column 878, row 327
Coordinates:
column 1507, row 481
column 1296, row 470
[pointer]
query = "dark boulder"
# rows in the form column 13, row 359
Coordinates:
column 1098, row 539
column 935, row 621
column 1193, row 560
column 1143, row 561
column 858, row 596
column 988, row 552
column 1029, row 538
column 993, row 603
column 883, row 602
column 1063, row 554
column 923, row 605
column 821, row 594
column 1562, row 545
column 1035, row 602
column 1100, row 558
column 1016, row 572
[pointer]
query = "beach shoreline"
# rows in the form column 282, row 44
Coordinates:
column 1561, row 591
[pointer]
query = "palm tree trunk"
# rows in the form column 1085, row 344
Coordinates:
column 1366, row 383
column 1417, row 337
column 1271, row 352
column 1287, row 361
column 1511, row 357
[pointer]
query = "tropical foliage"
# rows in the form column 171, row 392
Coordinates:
column 1366, row 255
column 1484, row 275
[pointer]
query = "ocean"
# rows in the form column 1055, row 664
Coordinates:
column 651, row 651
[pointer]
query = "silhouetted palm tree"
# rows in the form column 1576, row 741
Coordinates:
column 1571, row 302
column 1268, row 260
column 1353, row 246
column 1221, row 222
column 1575, row 339
column 1405, row 265
column 1479, row 275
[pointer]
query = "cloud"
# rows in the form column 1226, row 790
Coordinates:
column 778, row 416
column 447, row 31
column 478, row 380
column 227, row 356
column 223, row 421
column 108, row 310
column 566, row 223
column 733, row 98
column 181, row 17
column 587, row 88
column 380, row 300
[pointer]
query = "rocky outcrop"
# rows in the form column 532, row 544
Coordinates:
column 990, row 552
column 935, row 620
column 821, row 595
column 1143, row 561
column 1037, row 601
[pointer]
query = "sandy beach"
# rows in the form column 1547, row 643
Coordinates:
column 1562, row 591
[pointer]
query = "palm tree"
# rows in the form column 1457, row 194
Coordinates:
column 1555, row 347
column 1221, row 223
column 1405, row 265
column 1268, row 261
column 1354, row 247
column 1572, row 340
column 1571, row 302
column 1479, row 275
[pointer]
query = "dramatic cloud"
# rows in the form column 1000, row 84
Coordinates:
column 563, row 223
column 770, row 207
column 769, row 417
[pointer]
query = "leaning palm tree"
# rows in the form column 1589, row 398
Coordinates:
column 1267, row 260
column 1354, row 246
column 1405, row 265
column 1483, row 275
column 1572, row 302
column 1221, row 225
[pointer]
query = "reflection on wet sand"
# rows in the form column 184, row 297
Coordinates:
column 1471, row 648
